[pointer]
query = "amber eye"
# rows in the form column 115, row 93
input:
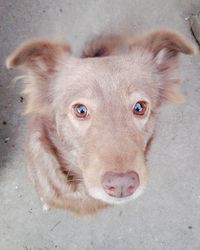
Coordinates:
column 140, row 108
column 80, row 110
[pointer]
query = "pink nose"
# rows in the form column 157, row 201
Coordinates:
column 120, row 184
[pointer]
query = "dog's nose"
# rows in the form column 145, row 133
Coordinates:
column 120, row 184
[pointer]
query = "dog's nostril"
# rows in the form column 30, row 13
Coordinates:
column 120, row 184
column 130, row 188
column 111, row 189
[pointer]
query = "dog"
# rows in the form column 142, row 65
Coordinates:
column 92, row 119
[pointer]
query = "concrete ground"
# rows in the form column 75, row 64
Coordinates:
column 167, row 216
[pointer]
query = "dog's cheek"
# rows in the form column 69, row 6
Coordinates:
column 148, row 133
column 145, row 127
column 79, row 126
column 91, row 178
column 140, row 123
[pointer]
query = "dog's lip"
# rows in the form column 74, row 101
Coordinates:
column 100, row 194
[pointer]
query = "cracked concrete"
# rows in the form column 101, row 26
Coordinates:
column 167, row 215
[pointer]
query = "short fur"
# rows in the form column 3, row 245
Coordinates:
column 67, row 156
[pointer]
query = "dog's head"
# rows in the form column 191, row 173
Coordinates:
column 104, row 108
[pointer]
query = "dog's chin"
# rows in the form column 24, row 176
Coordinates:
column 99, row 194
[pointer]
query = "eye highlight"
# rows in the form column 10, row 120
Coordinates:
column 80, row 110
column 140, row 108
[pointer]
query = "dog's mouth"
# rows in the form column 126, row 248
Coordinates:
column 100, row 194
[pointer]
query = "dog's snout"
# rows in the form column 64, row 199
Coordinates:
column 120, row 184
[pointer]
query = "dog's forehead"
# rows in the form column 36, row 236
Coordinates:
column 108, row 74
column 125, row 67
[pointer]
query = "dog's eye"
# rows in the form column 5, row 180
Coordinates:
column 80, row 110
column 140, row 108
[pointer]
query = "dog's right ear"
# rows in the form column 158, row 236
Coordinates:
column 40, row 56
column 41, row 60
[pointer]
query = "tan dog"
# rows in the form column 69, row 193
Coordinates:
column 92, row 118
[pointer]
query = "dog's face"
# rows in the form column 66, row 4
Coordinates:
column 104, row 109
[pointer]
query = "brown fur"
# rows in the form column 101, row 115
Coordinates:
column 103, row 46
column 67, row 157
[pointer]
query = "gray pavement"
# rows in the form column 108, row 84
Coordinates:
column 167, row 216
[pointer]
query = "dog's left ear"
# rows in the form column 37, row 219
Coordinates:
column 165, row 46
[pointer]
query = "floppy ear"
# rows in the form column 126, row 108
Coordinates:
column 37, row 56
column 40, row 59
column 164, row 47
